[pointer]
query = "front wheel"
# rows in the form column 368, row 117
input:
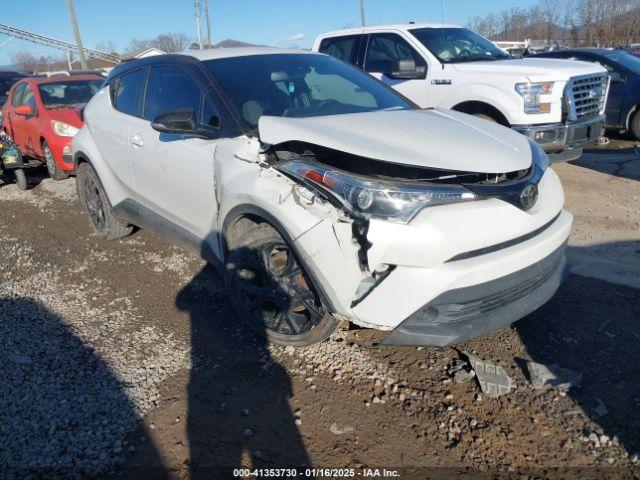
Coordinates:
column 55, row 172
column 272, row 293
column 95, row 203
column 20, row 178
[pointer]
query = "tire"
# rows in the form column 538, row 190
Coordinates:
column 635, row 125
column 20, row 179
column 55, row 172
column 95, row 203
column 271, row 292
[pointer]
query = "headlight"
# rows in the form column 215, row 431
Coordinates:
column 366, row 197
column 63, row 129
column 531, row 93
column 540, row 157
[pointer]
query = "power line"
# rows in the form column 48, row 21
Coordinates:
column 54, row 43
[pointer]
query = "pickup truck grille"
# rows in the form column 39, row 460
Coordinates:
column 586, row 96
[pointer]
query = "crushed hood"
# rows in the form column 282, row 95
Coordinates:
column 532, row 68
column 434, row 138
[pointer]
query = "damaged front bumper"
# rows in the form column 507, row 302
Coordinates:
column 465, row 313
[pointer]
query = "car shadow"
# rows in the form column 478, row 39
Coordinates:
column 592, row 326
column 239, row 414
column 623, row 162
column 63, row 412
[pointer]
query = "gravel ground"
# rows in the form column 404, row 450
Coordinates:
column 124, row 357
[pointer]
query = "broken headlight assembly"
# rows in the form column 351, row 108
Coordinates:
column 372, row 198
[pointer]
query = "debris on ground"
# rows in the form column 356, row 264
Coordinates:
column 460, row 371
column 333, row 428
column 553, row 375
column 492, row 378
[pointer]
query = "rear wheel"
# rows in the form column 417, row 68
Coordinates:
column 272, row 293
column 55, row 172
column 95, row 203
column 635, row 125
column 20, row 178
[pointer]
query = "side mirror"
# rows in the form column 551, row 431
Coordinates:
column 616, row 77
column 406, row 69
column 177, row 122
column 25, row 110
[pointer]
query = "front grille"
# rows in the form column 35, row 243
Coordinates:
column 586, row 96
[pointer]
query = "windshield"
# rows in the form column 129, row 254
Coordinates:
column 457, row 45
column 6, row 84
column 68, row 93
column 298, row 85
column 626, row 60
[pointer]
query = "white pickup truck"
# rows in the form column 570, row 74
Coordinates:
column 557, row 103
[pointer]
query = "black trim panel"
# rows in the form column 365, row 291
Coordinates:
column 503, row 245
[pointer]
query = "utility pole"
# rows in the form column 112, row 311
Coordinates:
column 199, row 22
column 76, row 33
column 362, row 12
column 206, row 16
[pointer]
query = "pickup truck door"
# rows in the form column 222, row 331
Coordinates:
column 383, row 52
column 174, row 174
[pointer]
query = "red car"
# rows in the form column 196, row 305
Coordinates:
column 42, row 115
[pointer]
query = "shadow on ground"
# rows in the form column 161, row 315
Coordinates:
column 63, row 413
column 593, row 326
column 623, row 162
column 238, row 415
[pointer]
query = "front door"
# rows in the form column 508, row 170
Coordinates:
column 174, row 174
column 384, row 50
column 24, row 128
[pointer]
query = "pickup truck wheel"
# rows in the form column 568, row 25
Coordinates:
column 20, row 178
column 635, row 125
column 55, row 172
column 95, row 203
column 272, row 293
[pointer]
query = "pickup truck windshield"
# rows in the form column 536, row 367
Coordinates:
column 68, row 94
column 457, row 45
column 298, row 85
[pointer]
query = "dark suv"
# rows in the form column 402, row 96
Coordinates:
column 623, row 104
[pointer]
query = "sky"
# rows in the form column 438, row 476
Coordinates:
column 266, row 22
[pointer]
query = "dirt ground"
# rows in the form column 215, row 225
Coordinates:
column 207, row 396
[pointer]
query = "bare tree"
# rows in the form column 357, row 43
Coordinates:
column 27, row 62
column 107, row 46
column 171, row 42
column 551, row 12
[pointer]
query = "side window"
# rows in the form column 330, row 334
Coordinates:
column 28, row 98
column 210, row 116
column 16, row 98
column 170, row 88
column 343, row 48
column 385, row 49
column 126, row 92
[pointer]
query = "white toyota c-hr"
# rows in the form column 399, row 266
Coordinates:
column 323, row 195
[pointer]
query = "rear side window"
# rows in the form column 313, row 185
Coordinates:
column 126, row 92
column 16, row 99
column 343, row 48
column 170, row 88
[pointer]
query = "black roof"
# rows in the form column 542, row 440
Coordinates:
column 11, row 74
column 593, row 50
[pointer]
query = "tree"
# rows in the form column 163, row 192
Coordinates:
column 167, row 42
column 551, row 12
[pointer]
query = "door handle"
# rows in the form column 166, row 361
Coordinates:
column 137, row 140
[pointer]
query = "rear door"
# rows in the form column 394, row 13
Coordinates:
column 175, row 173
column 112, row 130
column 383, row 51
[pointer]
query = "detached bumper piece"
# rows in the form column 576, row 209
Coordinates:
column 462, row 314
column 563, row 141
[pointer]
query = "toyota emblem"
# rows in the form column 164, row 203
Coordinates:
column 528, row 196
